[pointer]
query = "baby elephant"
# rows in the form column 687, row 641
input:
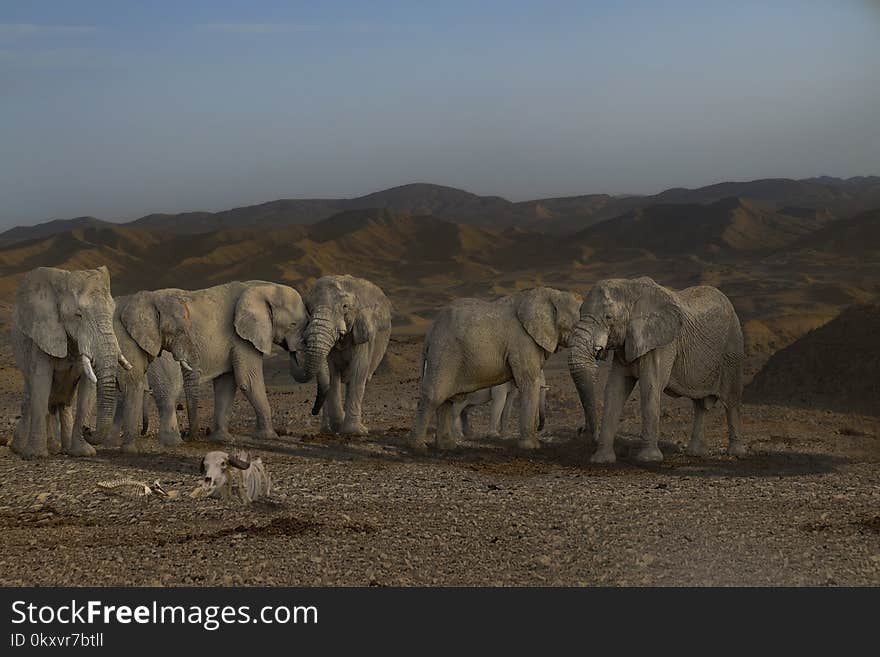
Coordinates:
column 235, row 477
column 502, row 397
column 475, row 344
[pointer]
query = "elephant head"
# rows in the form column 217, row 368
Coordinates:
column 635, row 315
column 336, row 314
column 160, row 320
column 548, row 316
column 268, row 313
column 70, row 314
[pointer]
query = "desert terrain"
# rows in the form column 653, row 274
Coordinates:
column 799, row 259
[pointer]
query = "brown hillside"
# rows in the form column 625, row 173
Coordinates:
column 835, row 367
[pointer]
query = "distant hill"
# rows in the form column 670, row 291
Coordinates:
column 836, row 366
column 825, row 196
column 730, row 224
column 856, row 236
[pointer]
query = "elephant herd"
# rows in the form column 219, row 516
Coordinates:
column 82, row 351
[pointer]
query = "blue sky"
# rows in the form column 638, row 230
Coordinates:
column 117, row 109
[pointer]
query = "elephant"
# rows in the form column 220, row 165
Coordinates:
column 502, row 397
column 62, row 335
column 146, row 323
column 474, row 344
column 234, row 326
column 686, row 343
column 345, row 341
column 165, row 378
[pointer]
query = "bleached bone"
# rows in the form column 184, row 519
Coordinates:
column 235, row 477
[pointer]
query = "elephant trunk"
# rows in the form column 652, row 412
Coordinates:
column 297, row 370
column 104, row 362
column 319, row 342
column 584, row 372
column 191, row 392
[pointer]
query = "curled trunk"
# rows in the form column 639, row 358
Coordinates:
column 584, row 372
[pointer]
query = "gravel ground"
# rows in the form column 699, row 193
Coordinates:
column 803, row 509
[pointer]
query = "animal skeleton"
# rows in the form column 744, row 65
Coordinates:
column 133, row 487
column 235, row 477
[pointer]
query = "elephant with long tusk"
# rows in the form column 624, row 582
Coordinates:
column 686, row 343
column 63, row 339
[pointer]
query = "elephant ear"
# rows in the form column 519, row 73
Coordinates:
column 36, row 313
column 140, row 318
column 537, row 313
column 253, row 318
column 368, row 321
column 655, row 321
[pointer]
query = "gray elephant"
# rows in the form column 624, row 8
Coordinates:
column 502, row 398
column 234, row 326
column 63, row 334
column 345, row 341
column 687, row 343
column 475, row 344
column 146, row 323
column 165, row 378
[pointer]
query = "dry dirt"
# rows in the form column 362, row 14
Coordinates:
column 804, row 508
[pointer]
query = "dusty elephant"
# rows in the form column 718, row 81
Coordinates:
column 502, row 398
column 348, row 333
column 146, row 323
column 234, row 326
column 63, row 334
column 475, row 344
column 687, row 343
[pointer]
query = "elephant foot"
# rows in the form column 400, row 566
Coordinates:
column 649, row 454
column 220, row 436
column 696, row 448
column 604, row 455
column 529, row 443
column 447, row 442
column 494, row 435
column 329, row 426
column 133, row 447
column 54, row 446
column 80, row 448
column 266, row 434
column 30, row 451
column 417, row 444
column 354, row 429
column 170, row 439
column 737, row 448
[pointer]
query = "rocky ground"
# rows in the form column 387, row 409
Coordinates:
column 803, row 508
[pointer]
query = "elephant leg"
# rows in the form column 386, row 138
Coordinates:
column 509, row 404
column 460, row 420
column 446, row 438
column 617, row 391
column 333, row 415
column 529, row 393
column 190, row 390
column 78, row 446
column 169, row 430
column 354, row 395
column 696, row 446
column 114, row 435
column 501, row 402
column 651, row 383
column 736, row 445
column 132, row 417
column 224, row 396
column 53, row 436
column 427, row 406
column 33, row 443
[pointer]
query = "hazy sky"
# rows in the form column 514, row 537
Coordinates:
column 117, row 109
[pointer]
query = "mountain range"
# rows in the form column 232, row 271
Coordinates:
column 790, row 254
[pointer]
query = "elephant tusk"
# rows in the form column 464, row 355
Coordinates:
column 124, row 362
column 186, row 366
column 87, row 368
